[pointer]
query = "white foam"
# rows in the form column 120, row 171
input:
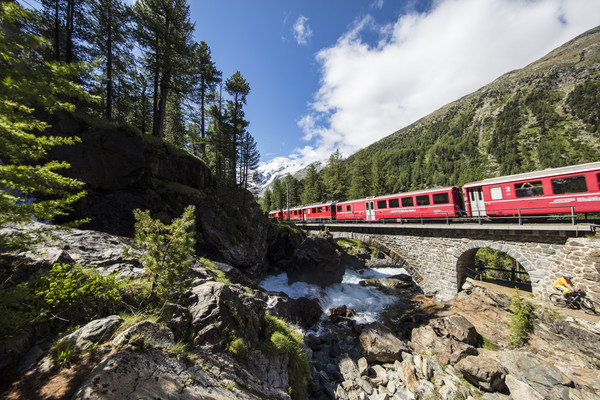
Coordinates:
column 368, row 302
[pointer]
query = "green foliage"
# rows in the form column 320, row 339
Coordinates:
column 219, row 275
column 497, row 259
column 487, row 344
column 521, row 322
column 238, row 348
column 168, row 249
column 63, row 353
column 70, row 293
column 25, row 80
column 584, row 101
column 283, row 339
column 65, row 295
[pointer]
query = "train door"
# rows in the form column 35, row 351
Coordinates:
column 476, row 200
column 370, row 210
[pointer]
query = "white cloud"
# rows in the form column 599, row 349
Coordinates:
column 301, row 29
column 424, row 61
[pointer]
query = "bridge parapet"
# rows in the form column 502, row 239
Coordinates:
column 438, row 256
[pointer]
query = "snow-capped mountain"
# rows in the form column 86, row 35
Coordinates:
column 276, row 168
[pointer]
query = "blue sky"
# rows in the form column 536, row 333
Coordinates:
column 343, row 74
column 327, row 74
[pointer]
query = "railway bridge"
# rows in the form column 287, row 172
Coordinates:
column 438, row 255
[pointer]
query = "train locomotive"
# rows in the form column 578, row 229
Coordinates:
column 554, row 191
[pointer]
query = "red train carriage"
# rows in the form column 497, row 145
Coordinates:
column 565, row 190
column 431, row 203
column 320, row 212
column 275, row 214
column 351, row 210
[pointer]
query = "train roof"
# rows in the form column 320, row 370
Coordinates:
column 538, row 174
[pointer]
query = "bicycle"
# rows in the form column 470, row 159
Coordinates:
column 577, row 300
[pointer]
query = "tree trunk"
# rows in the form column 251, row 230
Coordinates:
column 70, row 27
column 109, row 66
column 162, row 104
column 56, row 31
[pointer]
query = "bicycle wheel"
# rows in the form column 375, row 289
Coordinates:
column 590, row 307
column 557, row 300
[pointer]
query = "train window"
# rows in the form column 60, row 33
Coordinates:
column 423, row 200
column 314, row 210
column 529, row 189
column 339, row 208
column 407, row 202
column 319, row 209
column 381, row 204
column 394, row 203
column 348, row 208
column 496, row 192
column 571, row 184
column 441, row 198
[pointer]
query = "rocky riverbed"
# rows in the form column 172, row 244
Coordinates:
column 423, row 350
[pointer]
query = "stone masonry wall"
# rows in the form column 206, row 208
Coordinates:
column 439, row 264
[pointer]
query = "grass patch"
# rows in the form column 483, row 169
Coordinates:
column 352, row 246
column 63, row 353
column 283, row 339
column 486, row 343
column 216, row 272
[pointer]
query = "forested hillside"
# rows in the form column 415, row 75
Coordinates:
column 544, row 115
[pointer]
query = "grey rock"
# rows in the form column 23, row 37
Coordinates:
column 348, row 369
column 381, row 345
column 96, row 331
column 530, row 370
column 483, row 372
column 29, row 359
column 316, row 261
column 155, row 334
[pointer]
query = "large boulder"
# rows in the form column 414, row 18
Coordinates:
column 381, row 345
column 216, row 307
column 93, row 332
column 483, row 372
column 316, row 261
column 527, row 368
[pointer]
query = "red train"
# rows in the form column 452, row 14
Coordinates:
column 566, row 190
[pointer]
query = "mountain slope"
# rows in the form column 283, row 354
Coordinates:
column 543, row 115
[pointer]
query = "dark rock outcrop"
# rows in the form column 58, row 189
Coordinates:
column 124, row 171
column 316, row 261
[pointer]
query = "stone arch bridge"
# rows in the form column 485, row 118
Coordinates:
column 437, row 256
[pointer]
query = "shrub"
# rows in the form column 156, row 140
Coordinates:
column 169, row 248
column 70, row 293
column 521, row 322
column 238, row 348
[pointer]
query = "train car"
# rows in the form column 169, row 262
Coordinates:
column 351, row 210
column 297, row 213
column 565, row 190
column 320, row 212
column 443, row 202
column 275, row 214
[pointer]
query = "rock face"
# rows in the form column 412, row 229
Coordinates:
column 125, row 171
column 316, row 261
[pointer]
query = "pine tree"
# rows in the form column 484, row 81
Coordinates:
column 249, row 158
column 267, row 201
column 24, row 81
column 238, row 89
column 334, row 177
column 205, row 77
column 169, row 248
column 313, row 186
column 110, row 39
column 360, row 177
column 164, row 30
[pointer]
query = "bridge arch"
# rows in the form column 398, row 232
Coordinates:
column 469, row 251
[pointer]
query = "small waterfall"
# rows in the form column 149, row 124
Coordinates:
column 368, row 302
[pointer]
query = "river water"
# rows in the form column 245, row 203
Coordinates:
column 368, row 302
